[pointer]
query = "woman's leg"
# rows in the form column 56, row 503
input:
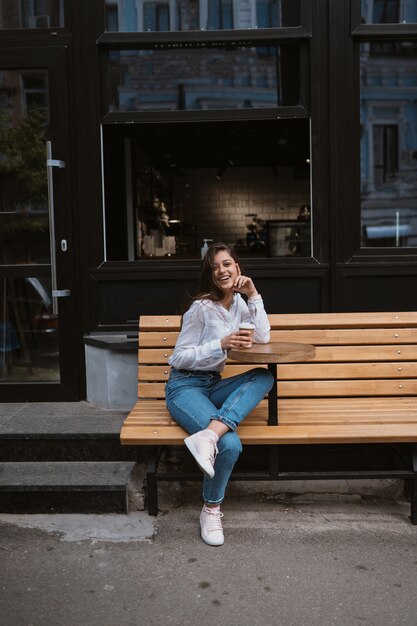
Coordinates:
column 234, row 398
column 187, row 398
column 238, row 395
column 201, row 402
column 188, row 401
column 229, row 447
column 214, row 489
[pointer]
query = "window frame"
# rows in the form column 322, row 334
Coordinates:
column 300, row 35
column 346, row 215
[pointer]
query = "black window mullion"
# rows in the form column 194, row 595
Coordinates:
column 369, row 32
column 204, row 39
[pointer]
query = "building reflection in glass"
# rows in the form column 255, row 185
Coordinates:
column 18, row 14
column 28, row 330
column 186, row 15
column 389, row 143
column 203, row 78
column 389, row 11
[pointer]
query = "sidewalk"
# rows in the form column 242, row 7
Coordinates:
column 319, row 563
column 338, row 558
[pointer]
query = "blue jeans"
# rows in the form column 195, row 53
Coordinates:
column 194, row 398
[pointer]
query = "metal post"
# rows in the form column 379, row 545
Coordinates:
column 273, row 462
column 56, row 293
column 151, row 481
column 413, row 516
column 273, row 397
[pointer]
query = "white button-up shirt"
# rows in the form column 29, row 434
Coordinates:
column 206, row 323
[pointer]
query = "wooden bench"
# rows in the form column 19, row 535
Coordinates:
column 356, row 401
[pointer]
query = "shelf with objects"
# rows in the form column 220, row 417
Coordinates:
column 159, row 231
column 289, row 237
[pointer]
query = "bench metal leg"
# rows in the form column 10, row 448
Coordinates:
column 151, row 482
column 273, row 462
column 413, row 516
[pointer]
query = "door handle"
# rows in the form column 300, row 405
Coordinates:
column 51, row 163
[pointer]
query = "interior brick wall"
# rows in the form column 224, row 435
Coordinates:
column 217, row 208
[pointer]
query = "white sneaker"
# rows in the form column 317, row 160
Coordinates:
column 204, row 450
column 211, row 526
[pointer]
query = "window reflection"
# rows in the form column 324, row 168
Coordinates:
column 215, row 78
column 24, row 222
column 389, row 143
column 28, row 331
column 17, row 14
column 182, row 15
column 389, row 11
column 155, row 16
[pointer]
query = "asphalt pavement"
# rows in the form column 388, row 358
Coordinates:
column 344, row 561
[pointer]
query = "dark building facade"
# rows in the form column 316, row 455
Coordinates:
column 132, row 131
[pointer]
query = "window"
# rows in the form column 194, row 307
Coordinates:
column 206, row 136
column 17, row 14
column 203, row 79
column 388, row 11
column 389, row 144
column 385, row 150
column 200, row 15
column 246, row 183
column 112, row 17
column 220, row 14
column 34, row 91
column 385, row 11
column 267, row 14
column 155, row 16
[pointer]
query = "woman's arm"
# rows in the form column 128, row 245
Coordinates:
column 259, row 317
column 189, row 353
column 254, row 310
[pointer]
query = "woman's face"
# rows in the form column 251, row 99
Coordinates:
column 225, row 271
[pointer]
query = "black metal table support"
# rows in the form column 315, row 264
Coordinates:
column 273, row 397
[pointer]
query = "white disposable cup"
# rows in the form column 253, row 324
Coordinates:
column 248, row 326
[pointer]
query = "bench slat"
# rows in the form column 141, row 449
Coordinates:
column 324, row 354
column 303, row 320
column 159, row 322
column 347, row 354
column 319, row 337
column 154, row 355
column 360, row 336
column 161, row 372
column 383, row 387
column 284, row 434
column 302, row 389
column 312, row 410
column 343, row 320
column 301, row 371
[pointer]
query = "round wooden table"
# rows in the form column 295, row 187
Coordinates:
column 273, row 353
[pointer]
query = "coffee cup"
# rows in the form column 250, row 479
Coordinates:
column 248, row 327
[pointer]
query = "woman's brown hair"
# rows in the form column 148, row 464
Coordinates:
column 207, row 288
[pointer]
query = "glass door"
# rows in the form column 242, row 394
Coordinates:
column 38, row 332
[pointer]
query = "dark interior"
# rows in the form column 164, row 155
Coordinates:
column 211, row 144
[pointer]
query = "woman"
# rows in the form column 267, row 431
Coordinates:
column 207, row 406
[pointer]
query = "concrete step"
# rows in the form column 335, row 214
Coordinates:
column 62, row 432
column 65, row 487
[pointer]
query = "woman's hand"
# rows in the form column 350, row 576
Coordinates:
column 239, row 339
column 245, row 285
